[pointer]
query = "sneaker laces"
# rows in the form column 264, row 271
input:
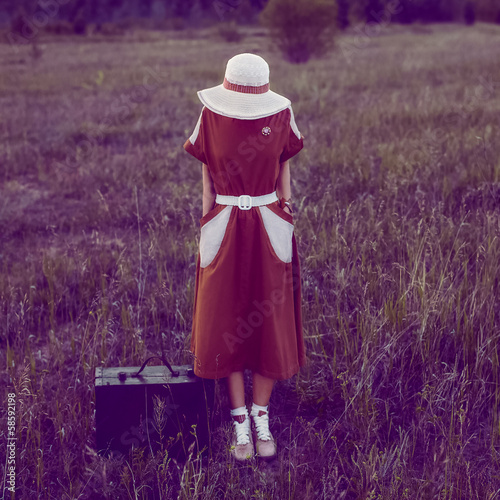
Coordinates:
column 262, row 426
column 242, row 431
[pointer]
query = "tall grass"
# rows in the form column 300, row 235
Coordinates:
column 398, row 200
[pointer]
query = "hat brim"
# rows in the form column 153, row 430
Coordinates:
column 240, row 105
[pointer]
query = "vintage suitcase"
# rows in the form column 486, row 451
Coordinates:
column 127, row 415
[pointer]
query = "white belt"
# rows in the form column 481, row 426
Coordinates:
column 245, row 201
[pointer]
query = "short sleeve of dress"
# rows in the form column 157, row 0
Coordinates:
column 294, row 142
column 195, row 144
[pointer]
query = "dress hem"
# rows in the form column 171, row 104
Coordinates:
column 264, row 373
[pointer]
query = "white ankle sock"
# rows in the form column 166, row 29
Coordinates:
column 242, row 410
column 256, row 408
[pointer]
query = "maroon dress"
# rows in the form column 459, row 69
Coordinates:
column 247, row 305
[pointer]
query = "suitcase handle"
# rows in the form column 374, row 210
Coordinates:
column 165, row 362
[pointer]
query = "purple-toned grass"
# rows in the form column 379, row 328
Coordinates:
column 397, row 206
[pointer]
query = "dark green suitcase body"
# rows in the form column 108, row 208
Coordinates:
column 127, row 416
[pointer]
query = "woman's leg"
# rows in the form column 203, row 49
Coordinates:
column 262, row 389
column 236, row 389
column 265, row 445
column 241, row 442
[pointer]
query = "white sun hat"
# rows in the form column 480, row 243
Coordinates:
column 245, row 93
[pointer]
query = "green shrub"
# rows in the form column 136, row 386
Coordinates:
column 301, row 28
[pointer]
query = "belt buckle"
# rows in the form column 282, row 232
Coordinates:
column 244, row 202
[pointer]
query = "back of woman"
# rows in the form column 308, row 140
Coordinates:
column 247, row 308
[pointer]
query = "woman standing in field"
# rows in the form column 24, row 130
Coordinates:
column 247, row 305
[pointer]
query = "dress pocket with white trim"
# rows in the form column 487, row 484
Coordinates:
column 212, row 234
column 280, row 233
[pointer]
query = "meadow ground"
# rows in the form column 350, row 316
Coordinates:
column 397, row 196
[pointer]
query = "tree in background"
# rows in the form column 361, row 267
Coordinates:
column 408, row 12
column 94, row 11
column 356, row 10
column 80, row 22
column 205, row 12
column 18, row 21
column 145, row 8
column 372, row 9
column 246, row 13
column 375, row 11
column 181, row 8
column 453, row 10
column 487, row 10
column 470, row 14
column 429, row 11
column 258, row 4
column 301, row 28
column 343, row 14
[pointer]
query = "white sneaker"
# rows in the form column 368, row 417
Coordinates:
column 265, row 446
column 242, row 442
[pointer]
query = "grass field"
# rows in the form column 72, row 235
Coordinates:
column 397, row 196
